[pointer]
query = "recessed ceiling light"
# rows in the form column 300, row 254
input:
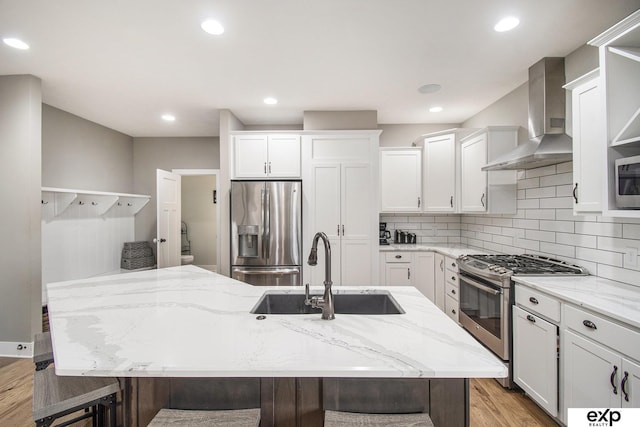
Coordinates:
column 430, row 88
column 270, row 101
column 168, row 117
column 435, row 109
column 506, row 24
column 16, row 43
column 212, row 27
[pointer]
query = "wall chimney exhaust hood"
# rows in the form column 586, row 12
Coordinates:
column 548, row 144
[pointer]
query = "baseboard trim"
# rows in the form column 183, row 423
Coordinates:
column 16, row 349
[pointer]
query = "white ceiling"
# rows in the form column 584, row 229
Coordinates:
column 122, row 63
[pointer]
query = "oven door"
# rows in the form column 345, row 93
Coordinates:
column 484, row 312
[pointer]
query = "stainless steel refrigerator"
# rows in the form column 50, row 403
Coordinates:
column 266, row 232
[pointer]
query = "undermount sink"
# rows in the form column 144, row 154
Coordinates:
column 278, row 302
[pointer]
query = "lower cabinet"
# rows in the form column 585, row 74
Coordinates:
column 424, row 273
column 535, row 358
column 439, row 280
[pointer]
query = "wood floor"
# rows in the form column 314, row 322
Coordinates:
column 491, row 405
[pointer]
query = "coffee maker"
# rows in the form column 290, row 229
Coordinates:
column 384, row 234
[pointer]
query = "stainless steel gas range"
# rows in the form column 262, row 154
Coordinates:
column 486, row 295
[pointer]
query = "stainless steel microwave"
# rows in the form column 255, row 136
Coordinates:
column 628, row 182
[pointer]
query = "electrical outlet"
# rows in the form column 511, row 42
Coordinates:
column 631, row 257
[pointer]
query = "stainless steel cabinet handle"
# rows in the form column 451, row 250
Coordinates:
column 338, row 228
column 265, row 168
column 441, row 265
column 269, row 167
column 418, row 201
column 451, row 201
column 408, row 273
column 575, row 197
column 530, row 318
column 482, row 200
column 589, row 324
column 343, row 229
column 623, row 386
column 612, row 379
column 532, row 300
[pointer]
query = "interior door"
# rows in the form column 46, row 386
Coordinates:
column 168, row 192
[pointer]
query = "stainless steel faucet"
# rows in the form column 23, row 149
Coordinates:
column 326, row 302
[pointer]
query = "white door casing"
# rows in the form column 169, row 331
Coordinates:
column 168, row 192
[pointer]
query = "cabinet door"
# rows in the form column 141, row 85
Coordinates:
column 589, row 378
column 535, row 360
column 284, row 156
column 451, row 308
column 325, row 217
column 250, row 156
column 400, row 180
column 398, row 274
column 474, row 180
column 588, row 148
column 424, row 280
column 440, row 274
column 355, row 263
column 440, row 173
column 630, row 384
column 356, row 196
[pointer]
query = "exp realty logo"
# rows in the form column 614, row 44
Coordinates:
column 604, row 417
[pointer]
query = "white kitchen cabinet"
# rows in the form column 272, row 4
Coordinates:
column 439, row 280
column 400, row 180
column 619, row 55
column 487, row 191
column 440, row 173
column 589, row 145
column 261, row 156
column 600, row 366
column 424, row 277
column 535, row 358
column 341, row 199
column 398, row 268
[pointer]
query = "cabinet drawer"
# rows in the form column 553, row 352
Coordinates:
column 451, row 278
column 398, row 257
column 451, row 307
column 538, row 303
column 451, row 264
column 620, row 338
column 452, row 290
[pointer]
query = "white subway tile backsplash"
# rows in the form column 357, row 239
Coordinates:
column 563, row 226
column 558, row 179
column 599, row 229
column 544, row 224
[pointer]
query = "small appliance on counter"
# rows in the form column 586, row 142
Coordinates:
column 384, row 234
column 404, row 237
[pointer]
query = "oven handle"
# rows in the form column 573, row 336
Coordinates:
column 480, row 286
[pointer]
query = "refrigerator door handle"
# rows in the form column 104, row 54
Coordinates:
column 267, row 224
column 279, row 270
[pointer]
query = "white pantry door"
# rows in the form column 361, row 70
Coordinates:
column 168, row 219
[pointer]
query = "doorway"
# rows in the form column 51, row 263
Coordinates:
column 199, row 219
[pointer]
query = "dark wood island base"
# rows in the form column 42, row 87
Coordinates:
column 299, row 402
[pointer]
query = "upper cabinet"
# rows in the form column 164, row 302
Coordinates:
column 588, row 143
column 401, row 179
column 619, row 49
column 440, row 172
column 487, row 192
column 266, row 155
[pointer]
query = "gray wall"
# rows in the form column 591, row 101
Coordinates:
column 402, row 135
column 150, row 154
column 84, row 155
column 20, row 165
column 340, row 120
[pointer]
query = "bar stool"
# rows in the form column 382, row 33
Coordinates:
column 42, row 350
column 56, row 396
column 196, row 418
column 351, row 419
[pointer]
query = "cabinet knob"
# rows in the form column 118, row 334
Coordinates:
column 453, row 278
column 453, row 291
column 418, row 201
column 453, row 311
column 398, row 256
column 532, row 300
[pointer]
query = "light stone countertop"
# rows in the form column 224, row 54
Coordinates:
column 186, row 321
column 448, row 250
column 616, row 300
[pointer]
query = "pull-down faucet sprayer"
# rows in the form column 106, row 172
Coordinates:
column 326, row 303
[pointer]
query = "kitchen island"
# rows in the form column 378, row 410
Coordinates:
column 152, row 327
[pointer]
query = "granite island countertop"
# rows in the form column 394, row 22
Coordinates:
column 186, row 321
column 616, row 300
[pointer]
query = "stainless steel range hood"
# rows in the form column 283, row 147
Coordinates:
column 548, row 144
